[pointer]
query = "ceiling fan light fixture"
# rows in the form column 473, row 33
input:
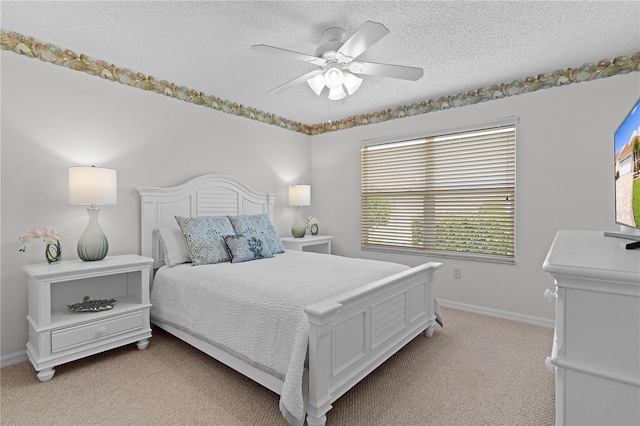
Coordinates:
column 351, row 83
column 333, row 78
column 336, row 61
column 316, row 83
column 337, row 93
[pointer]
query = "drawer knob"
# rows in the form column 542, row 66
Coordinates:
column 550, row 295
column 101, row 331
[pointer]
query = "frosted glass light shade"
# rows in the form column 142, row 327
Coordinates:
column 300, row 195
column 336, row 80
column 333, row 78
column 351, row 83
column 316, row 83
column 92, row 185
column 337, row 94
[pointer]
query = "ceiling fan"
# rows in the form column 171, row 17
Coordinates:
column 336, row 59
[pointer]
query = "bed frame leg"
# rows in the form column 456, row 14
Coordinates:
column 316, row 416
column 312, row 421
column 428, row 332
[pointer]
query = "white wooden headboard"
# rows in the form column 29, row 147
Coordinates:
column 207, row 195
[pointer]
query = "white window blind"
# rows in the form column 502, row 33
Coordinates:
column 452, row 194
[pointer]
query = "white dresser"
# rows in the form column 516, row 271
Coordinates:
column 596, row 348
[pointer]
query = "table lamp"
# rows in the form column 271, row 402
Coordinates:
column 92, row 186
column 299, row 196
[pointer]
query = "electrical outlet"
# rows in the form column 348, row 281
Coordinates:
column 457, row 273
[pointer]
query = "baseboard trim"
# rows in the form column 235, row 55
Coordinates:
column 18, row 357
column 529, row 319
column 14, row 358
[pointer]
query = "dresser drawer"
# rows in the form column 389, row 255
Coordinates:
column 81, row 334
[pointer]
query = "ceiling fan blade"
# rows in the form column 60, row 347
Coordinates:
column 289, row 54
column 290, row 84
column 366, row 36
column 386, row 70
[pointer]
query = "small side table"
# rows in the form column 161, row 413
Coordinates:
column 317, row 243
column 58, row 335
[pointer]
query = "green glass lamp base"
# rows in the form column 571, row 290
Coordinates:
column 93, row 244
column 298, row 229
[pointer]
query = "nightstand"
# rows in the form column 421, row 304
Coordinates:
column 318, row 243
column 58, row 335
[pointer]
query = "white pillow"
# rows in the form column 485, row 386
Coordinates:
column 174, row 245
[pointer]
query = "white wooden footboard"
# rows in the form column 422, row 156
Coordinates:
column 352, row 334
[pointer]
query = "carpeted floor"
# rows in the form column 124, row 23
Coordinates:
column 477, row 370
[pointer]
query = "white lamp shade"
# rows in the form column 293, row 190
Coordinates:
column 316, row 83
column 351, row 82
column 300, row 195
column 92, row 185
column 337, row 93
column 333, row 78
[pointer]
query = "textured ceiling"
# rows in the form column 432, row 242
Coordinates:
column 205, row 45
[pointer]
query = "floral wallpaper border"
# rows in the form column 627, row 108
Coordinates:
column 48, row 52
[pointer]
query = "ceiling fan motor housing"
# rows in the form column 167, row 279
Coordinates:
column 334, row 34
column 334, row 37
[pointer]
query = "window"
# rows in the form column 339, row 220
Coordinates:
column 449, row 195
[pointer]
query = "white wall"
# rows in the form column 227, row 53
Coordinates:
column 564, row 172
column 53, row 118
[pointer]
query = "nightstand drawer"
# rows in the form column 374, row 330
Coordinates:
column 78, row 335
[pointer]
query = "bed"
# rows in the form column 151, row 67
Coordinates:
column 262, row 318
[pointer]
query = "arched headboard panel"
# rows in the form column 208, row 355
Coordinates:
column 207, row 195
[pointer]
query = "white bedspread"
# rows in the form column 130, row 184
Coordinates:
column 255, row 310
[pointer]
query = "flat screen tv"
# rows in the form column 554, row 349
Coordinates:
column 627, row 175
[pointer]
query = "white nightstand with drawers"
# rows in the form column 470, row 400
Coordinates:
column 315, row 243
column 58, row 335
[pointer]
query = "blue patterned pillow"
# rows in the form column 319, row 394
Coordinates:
column 204, row 236
column 258, row 224
column 247, row 247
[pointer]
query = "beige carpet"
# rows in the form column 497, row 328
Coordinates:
column 476, row 370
